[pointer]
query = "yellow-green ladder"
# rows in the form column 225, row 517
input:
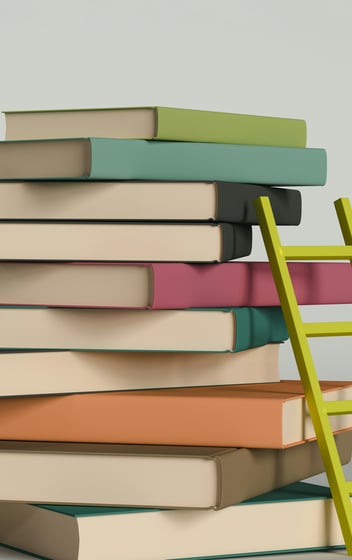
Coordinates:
column 341, row 489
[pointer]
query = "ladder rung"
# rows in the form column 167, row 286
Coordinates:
column 316, row 253
column 340, row 328
column 349, row 487
column 338, row 407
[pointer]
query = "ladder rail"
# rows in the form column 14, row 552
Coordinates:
column 344, row 213
column 277, row 257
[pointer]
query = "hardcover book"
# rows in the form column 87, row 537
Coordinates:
column 159, row 123
column 193, row 330
column 110, row 158
column 145, row 200
column 168, row 285
column 86, row 533
column 153, row 476
column 40, row 373
column 256, row 415
column 152, row 241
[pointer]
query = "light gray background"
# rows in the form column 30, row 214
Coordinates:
column 269, row 57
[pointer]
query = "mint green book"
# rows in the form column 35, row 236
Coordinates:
column 132, row 330
column 158, row 123
column 299, row 517
column 116, row 159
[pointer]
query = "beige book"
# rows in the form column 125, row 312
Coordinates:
column 298, row 517
column 134, row 122
column 121, row 241
column 212, row 330
column 145, row 200
column 153, row 475
column 109, row 200
column 44, row 373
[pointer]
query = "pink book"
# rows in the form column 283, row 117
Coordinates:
column 168, row 285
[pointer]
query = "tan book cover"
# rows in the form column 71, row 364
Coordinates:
column 40, row 373
column 124, row 241
column 298, row 517
column 251, row 415
column 191, row 330
column 153, row 476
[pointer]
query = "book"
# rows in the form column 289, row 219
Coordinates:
column 193, row 330
column 145, row 200
column 152, row 241
column 116, row 159
column 168, row 285
column 159, row 123
column 153, row 476
column 72, row 532
column 251, row 415
column 36, row 373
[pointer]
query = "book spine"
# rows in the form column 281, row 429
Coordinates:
column 235, row 203
column 236, row 241
column 256, row 326
column 254, row 468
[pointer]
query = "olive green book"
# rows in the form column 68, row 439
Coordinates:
column 159, row 123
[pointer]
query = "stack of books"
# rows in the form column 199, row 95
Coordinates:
column 140, row 379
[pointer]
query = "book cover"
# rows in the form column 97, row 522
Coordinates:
column 192, row 330
column 145, row 200
column 159, row 123
column 72, row 532
column 110, row 158
column 152, row 241
column 40, row 373
column 168, row 285
column 254, row 415
column 153, row 476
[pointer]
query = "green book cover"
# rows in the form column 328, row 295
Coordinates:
column 117, row 159
column 233, row 128
column 297, row 491
column 187, row 161
column 165, row 123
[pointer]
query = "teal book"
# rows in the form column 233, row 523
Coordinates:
column 230, row 329
column 299, row 517
column 120, row 159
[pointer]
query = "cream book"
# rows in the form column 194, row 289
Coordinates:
column 153, row 475
column 41, row 373
column 121, row 241
column 145, row 200
column 297, row 517
column 192, row 330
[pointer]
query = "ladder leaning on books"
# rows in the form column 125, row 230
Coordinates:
column 341, row 489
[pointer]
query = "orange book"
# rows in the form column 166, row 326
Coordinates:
column 251, row 415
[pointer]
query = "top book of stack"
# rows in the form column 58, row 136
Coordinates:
column 157, row 123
